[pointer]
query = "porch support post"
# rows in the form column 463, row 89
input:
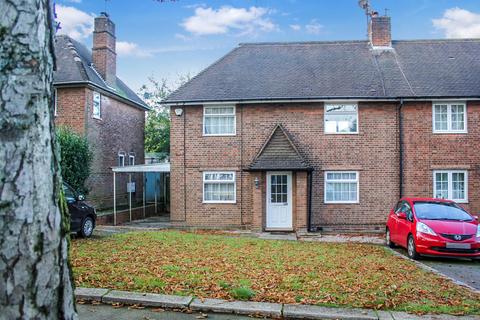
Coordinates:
column 144, row 184
column 156, row 182
column 114, row 201
column 130, row 197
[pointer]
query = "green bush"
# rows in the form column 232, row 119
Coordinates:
column 75, row 158
column 242, row 293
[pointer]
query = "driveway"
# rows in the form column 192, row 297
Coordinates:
column 463, row 270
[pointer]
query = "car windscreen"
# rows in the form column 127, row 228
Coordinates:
column 440, row 211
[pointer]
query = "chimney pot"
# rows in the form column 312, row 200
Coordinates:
column 380, row 31
column 103, row 51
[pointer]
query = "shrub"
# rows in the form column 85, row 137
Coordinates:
column 75, row 158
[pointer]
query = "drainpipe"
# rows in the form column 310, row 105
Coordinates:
column 400, row 141
column 309, row 218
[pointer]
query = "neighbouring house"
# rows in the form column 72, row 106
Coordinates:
column 91, row 100
column 326, row 136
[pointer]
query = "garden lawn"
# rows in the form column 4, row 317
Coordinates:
column 219, row 266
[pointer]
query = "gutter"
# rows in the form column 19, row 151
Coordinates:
column 318, row 99
column 400, row 142
column 96, row 86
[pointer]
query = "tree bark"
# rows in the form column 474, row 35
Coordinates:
column 35, row 277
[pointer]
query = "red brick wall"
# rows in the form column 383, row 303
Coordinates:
column 374, row 155
column 71, row 108
column 425, row 151
column 121, row 128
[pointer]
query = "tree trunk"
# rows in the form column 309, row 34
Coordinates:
column 35, row 277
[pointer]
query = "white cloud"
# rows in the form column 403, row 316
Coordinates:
column 75, row 1
column 314, row 27
column 207, row 21
column 458, row 23
column 73, row 22
column 125, row 48
column 295, row 27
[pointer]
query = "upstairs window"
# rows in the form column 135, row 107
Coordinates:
column 219, row 187
column 341, row 187
column 121, row 159
column 449, row 117
column 450, row 184
column 341, row 118
column 131, row 159
column 97, row 105
column 219, row 121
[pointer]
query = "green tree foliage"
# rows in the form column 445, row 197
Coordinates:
column 157, row 125
column 75, row 158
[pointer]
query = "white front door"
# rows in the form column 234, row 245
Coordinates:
column 279, row 200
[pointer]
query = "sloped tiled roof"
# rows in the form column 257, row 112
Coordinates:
column 279, row 153
column 342, row 69
column 74, row 65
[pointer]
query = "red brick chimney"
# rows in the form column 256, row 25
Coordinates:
column 380, row 31
column 104, row 56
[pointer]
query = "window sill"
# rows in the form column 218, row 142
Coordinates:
column 341, row 202
column 97, row 118
column 219, row 202
column 449, row 132
column 341, row 133
column 220, row 135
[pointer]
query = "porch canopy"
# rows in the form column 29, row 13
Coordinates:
column 140, row 168
column 279, row 153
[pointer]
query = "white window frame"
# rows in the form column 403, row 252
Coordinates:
column 450, row 184
column 220, row 181
column 121, row 155
column 340, row 113
column 55, row 102
column 205, row 107
column 357, row 180
column 131, row 156
column 449, row 116
column 99, row 105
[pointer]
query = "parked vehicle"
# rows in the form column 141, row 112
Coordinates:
column 82, row 216
column 433, row 227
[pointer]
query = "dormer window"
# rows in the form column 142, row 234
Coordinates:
column 449, row 117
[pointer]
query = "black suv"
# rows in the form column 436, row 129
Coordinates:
column 82, row 216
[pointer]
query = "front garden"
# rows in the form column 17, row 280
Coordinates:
column 220, row 266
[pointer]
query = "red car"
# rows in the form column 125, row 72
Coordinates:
column 433, row 227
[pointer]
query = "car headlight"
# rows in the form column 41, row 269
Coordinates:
column 423, row 228
column 478, row 231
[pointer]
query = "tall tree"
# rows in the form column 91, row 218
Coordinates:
column 157, row 125
column 35, row 277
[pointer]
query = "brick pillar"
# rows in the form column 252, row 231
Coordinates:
column 177, row 167
column 258, row 199
column 301, row 201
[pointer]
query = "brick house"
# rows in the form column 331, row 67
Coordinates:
column 93, row 101
column 326, row 136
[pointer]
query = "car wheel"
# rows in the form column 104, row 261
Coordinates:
column 388, row 240
column 87, row 227
column 411, row 248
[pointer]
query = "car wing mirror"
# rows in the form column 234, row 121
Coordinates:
column 402, row 215
column 81, row 197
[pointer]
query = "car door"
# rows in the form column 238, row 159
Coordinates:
column 392, row 221
column 73, row 208
column 404, row 225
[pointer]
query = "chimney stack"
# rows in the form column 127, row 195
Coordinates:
column 104, row 55
column 379, row 31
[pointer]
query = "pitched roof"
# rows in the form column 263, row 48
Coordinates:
column 74, row 66
column 279, row 153
column 335, row 70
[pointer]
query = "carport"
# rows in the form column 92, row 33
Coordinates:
column 131, row 186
